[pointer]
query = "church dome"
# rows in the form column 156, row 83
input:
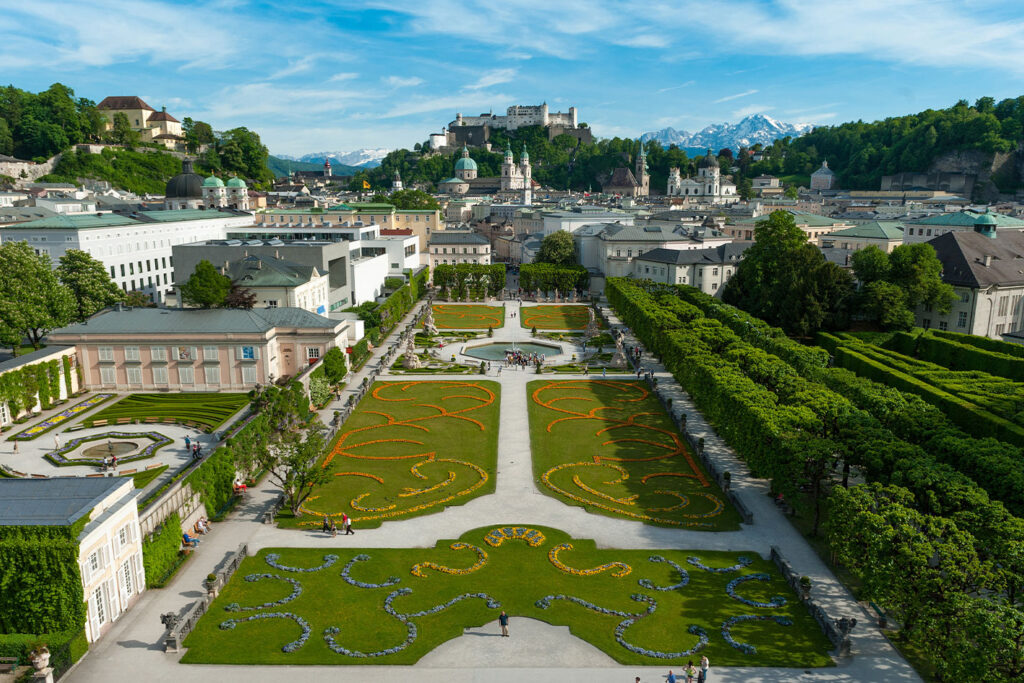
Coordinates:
column 237, row 183
column 985, row 219
column 186, row 185
column 213, row 181
column 708, row 161
column 465, row 164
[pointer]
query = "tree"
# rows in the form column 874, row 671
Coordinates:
column 89, row 282
column 885, row 303
column 745, row 189
column 557, row 248
column 413, row 199
column 32, row 299
column 206, row 288
column 916, row 269
column 335, row 366
column 870, row 264
column 122, row 132
column 137, row 299
column 6, row 138
column 240, row 297
column 197, row 134
column 792, row 192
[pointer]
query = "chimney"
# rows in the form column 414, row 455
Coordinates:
column 988, row 260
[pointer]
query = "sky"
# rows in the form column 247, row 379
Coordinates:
column 339, row 75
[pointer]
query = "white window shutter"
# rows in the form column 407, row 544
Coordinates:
column 115, row 543
column 140, row 572
column 86, row 573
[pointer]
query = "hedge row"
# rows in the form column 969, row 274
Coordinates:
column 21, row 388
column 962, row 352
column 993, row 345
column 161, row 551
column 66, row 647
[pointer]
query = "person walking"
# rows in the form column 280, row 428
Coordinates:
column 604, row 372
column 503, row 620
column 188, row 443
column 334, row 529
column 56, row 442
column 347, row 521
column 704, row 666
column 691, row 672
column 15, row 445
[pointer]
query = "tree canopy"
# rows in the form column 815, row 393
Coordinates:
column 206, row 288
column 558, row 249
column 32, row 299
column 89, row 282
column 894, row 284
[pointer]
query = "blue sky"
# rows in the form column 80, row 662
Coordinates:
column 322, row 75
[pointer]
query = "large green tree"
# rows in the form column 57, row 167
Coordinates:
column 206, row 288
column 788, row 282
column 89, row 282
column 893, row 285
column 197, row 134
column 122, row 132
column 557, row 248
column 412, row 199
column 32, row 299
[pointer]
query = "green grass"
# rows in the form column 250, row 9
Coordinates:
column 208, row 409
column 608, row 446
column 143, row 478
column 567, row 317
column 517, row 576
column 411, row 448
column 467, row 316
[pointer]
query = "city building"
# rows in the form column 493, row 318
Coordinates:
column 926, row 229
column 476, row 130
column 814, row 225
column 110, row 545
column 135, row 248
column 886, row 235
column 824, row 178
column 276, row 282
column 227, row 349
column 152, row 125
column 459, row 246
column 321, row 224
column 706, row 269
column 984, row 267
column 572, row 219
column 189, row 190
column 709, row 185
column 636, row 183
column 610, row 249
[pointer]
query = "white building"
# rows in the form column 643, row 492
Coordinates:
column 513, row 176
column 110, row 545
column 927, row 229
column 276, row 282
column 189, row 190
column 136, row 249
column 611, row 249
column 709, row 185
column 459, row 246
column 519, row 116
column 578, row 216
column 706, row 269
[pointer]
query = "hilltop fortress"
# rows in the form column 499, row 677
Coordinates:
column 475, row 131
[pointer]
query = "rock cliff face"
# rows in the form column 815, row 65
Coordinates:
column 996, row 173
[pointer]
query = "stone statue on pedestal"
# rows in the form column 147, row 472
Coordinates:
column 592, row 328
column 557, row 298
column 619, row 360
column 572, row 297
column 540, row 295
column 411, row 360
column 428, row 322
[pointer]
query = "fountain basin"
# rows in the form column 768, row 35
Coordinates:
column 495, row 351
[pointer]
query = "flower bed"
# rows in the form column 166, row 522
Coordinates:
column 159, row 441
column 60, row 418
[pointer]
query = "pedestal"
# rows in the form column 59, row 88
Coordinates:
column 44, row 675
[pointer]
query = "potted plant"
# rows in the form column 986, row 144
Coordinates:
column 805, row 587
column 726, row 479
column 39, row 656
column 534, row 331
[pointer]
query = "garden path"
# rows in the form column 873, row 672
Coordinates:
column 535, row 651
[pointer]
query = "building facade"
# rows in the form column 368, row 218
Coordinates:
column 709, row 185
column 706, row 269
column 459, row 246
column 824, row 178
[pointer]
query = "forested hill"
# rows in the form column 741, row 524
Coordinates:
column 36, row 126
column 861, row 153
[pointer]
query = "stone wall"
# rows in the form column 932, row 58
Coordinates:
column 31, row 170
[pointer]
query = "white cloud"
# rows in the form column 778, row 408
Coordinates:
column 294, row 67
column 459, row 102
column 752, row 109
column 644, row 40
column 402, row 82
column 493, row 77
column 343, row 76
column 735, row 97
column 676, row 87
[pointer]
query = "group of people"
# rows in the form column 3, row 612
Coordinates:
column 693, row 673
column 329, row 527
column 193, row 447
column 515, row 358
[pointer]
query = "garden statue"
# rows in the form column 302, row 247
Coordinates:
column 557, row 298
column 619, row 360
column 540, row 296
column 572, row 296
column 592, row 330
column 412, row 361
column 428, row 323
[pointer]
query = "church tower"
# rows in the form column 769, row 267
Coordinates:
column 642, row 178
column 396, row 184
column 327, row 168
column 527, row 172
column 508, row 169
column 709, row 175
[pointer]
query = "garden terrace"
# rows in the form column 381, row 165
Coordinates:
column 609, row 447
column 206, row 410
column 467, row 316
column 394, row 605
column 410, row 448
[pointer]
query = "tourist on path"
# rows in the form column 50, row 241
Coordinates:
column 704, row 666
column 188, row 443
column 671, row 677
column 346, row 522
column 691, row 671
column 503, row 620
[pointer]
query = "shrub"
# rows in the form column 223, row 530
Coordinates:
column 161, row 551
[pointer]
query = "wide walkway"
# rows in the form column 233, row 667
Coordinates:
column 537, row 652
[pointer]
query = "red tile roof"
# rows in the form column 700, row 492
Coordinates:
column 162, row 116
column 123, row 102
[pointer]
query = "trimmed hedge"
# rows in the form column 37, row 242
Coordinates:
column 209, row 409
column 66, row 647
column 161, row 552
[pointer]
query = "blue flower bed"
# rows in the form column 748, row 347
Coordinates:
column 296, row 592
column 391, row 581
column 60, row 418
column 287, row 647
column 730, row 588
column 741, row 562
column 747, row 648
column 646, row 583
column 272, row 558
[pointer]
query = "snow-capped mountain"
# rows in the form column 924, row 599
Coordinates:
column 366, row 158
column 756, row 128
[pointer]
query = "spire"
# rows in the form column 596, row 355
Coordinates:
column 465, row 151
column 508, row 153
column 525, row 156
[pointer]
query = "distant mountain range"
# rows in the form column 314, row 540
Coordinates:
column 281, row 166
column 363, row 158
column 751, row 130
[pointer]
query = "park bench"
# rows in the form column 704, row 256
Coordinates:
column 124, row 420
column 98, row 474
column 153, row 466
column 39, row 476
column 151, row 420
column 124, row 472
column 99, row 423
column 883, row 621
column 74, row 428
column 9, row 664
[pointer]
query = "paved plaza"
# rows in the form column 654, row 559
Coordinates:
column 536, row 652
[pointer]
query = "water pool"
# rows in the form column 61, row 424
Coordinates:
column 496, row 351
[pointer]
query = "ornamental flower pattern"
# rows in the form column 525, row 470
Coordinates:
column 730, row 588
column 61, row 417
column 251, row 578
column 272, row 560
column 417, row 569
column 158, row 442
column 287, row 647
column 391, row 581
column 623, row 569
column 495, row 537
column 648, row 584
column 747, row 648
column 741, row 562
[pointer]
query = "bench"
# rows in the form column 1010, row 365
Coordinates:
column 124, row 472
column 883, row 621
column 153, row 466
column 151, row 420
column 124, row 420
column 98, row 474
column 9, row 664
column 39, row 476
column 98, row 423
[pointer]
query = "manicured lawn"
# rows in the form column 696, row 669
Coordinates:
column 410, row 448
column 143, row 478
column 207, row 409
column 608, row 446
column 671, row 606
column 467, row 316
column 568, row 317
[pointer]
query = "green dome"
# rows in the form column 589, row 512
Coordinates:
column 213, row 181
column 985, row 219
column 465, row 164
column 236, row 182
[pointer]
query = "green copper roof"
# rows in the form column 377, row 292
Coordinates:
column 213, row 181
column 876, row 230
column 811, row 220
column 465, row 164
column 452, row 180
column 236, row 182
column 106, row 220
column 968, row 219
